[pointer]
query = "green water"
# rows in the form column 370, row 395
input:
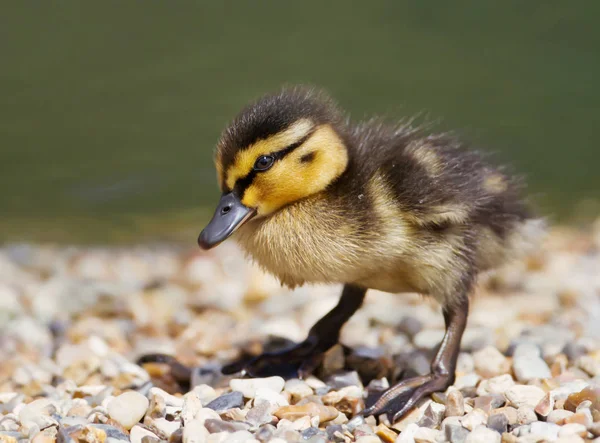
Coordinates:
column 109, row 110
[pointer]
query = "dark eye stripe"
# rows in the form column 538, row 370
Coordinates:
column 243, row 183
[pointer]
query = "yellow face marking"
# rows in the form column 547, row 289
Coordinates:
column 494, row 184
column 291, row 179
column 426, row 157
column 244, row 160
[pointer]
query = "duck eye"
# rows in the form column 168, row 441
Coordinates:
column 263, row 163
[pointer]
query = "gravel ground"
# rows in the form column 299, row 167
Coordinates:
column 73, row 321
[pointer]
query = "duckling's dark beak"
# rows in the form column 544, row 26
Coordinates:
column 229, row 215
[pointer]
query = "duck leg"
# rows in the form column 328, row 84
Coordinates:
column 301, row 359
column 399, row 399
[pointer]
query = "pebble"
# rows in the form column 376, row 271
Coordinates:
column 298, row 389
column 496, row 385
column 558, row 416
column 227, row 401
column 524, row 395
column 137, row 433
column 456, row 434
column 481, row 434
column 474, row 419
column 548, row 431
column 128, row 408
column 573, row 429
column 498, row 422
column 195, row 432
column 248, row 387
column 293, row 412
column 525, row 415
column 455, row 404
column 530, row 367
column 489, row 362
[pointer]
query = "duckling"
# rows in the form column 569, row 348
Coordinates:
column 314, row 198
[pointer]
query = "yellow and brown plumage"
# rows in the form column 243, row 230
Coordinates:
column 314, row 198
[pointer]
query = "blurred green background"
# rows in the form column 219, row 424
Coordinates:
column 109, row 110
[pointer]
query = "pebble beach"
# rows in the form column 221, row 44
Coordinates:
column 75, row 320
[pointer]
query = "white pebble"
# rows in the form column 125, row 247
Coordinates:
column 195, row 432
column 572, row 429
column 495, row 385
column 489, row 362
column 248, row 387
column 548, row 431
column 474, row 419
column 524, row 395
column 137, row 433
column 205, row 413
column 128, row 408
column 481, row 434
column 205, row 393
column 298, row 388
column 527, row 368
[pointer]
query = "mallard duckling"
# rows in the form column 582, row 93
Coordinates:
column 313, row 198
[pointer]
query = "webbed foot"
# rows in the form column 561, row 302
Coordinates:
column 299, row 360
column 401, row 398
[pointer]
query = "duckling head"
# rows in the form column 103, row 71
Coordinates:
column 280, row 149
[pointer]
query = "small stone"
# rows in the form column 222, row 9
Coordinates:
column 467, row 381
column 481, row 434
column 427, row 435
column 162, row 426
column 406, row 436
column 205, row 414
column 455, row 404
column 474, row 419
column 526, row 349
column 583, row 416
column 573, row 429
column 298, row 389
column 227, row 401
column 191, row 407
column 293, row 412
column 433, row 415
column 385, row 434
column 138, row 432
column 249, row 386
column 589, row 364
column 509, row 412
column 128, row 408
column 498, row 422
column 259, row 414
column 344, row 379
column 456, row 434
column 588, row 393
column 489, row 362
column 496, row 385
column 276, row 399
column 525, row 415
column 488, row 402
column 465, row 363
column 112, row 433
column 195, row 432
column 545, row 406
column 530, row 367
column 214, row 426
column 558, row 416
column 205, row 393
column 524, row 395
column 541, row 430
column 369, row 439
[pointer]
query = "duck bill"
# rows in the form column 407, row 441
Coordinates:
column 229, row 215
